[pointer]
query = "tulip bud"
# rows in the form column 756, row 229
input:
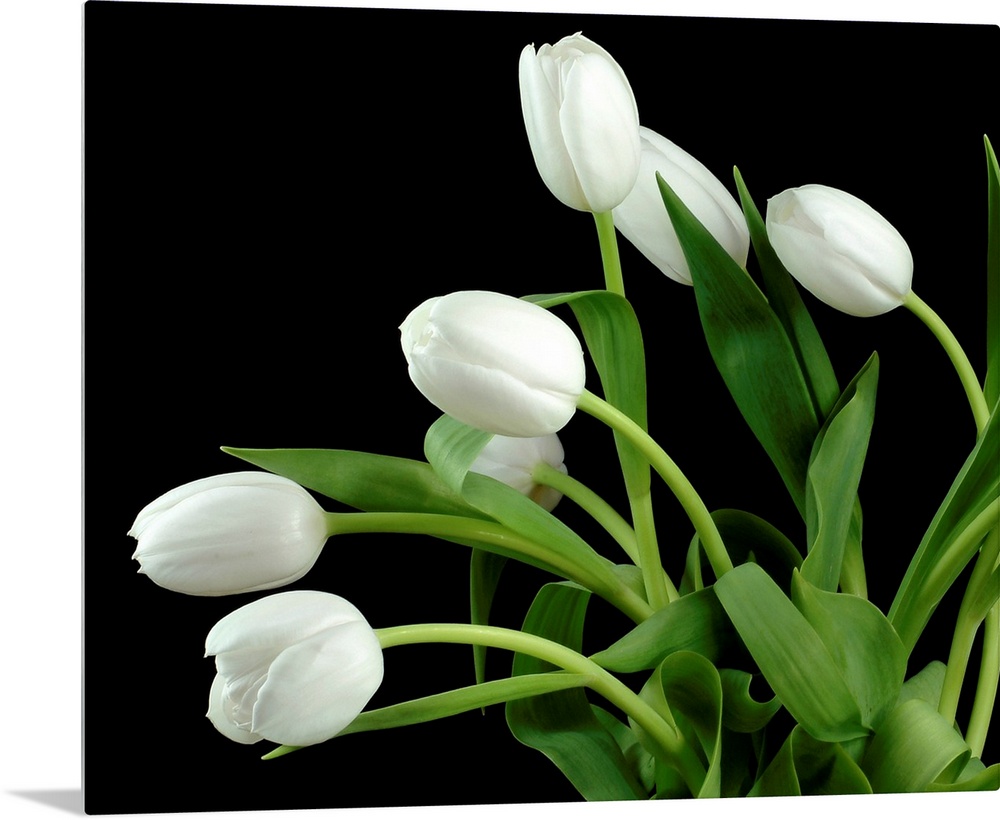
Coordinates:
column 643, row 219
column 294, row 668
column 230, row 533
column 840, row 249
column 513, row 460
column 582, row 122
column 494, row 362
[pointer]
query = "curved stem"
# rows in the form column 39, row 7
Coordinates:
column 598, row 578
column 599, row 679
column 606, row 235
column 682, row 489
column 598, row 509
column 966, row 373
column 986, row 687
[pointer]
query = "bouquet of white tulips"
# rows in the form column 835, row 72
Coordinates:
column 762, row 668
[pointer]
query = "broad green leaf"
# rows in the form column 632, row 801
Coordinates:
column 992, row 385
column 925, row 685
column 686, row 690
column 976, row 486
column 784, row 298
column 694, row 622
column 640, row 761
column 790, row 654
column 863, row 644
column 563, row 725
column 806, row 766
column 975, row 778
column 914, row 748
column 751, row 350
column 451, row 447
column 740, row 711
column 365, row 481
column 748, row 538
column 838, row 457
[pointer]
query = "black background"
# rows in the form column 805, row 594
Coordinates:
column 269, row 191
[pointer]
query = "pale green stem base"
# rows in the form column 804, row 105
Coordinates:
column 599, row 679
column 697, row 512
column 604, row 583
column 606, row 235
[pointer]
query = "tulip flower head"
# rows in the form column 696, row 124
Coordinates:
column 231, row 533
column 294, row 668
column 513, row 460
column 582, row 122
column 643, row 220
column 494, row 362
column 840, row 249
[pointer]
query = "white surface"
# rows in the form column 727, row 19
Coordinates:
column 40, row 323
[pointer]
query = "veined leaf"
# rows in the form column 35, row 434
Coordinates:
column 791, row 655
column 863, row 644
column 694, row 622
column 806, row 766
column 562, row 725
column 451, row 447
column 751, row 350
column 686, row 690
column 835, row 466
column 914, row 748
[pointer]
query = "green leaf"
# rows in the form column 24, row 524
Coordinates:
column 686, row 690
column 914, row 748
column 791, row 655
column 456, row 701
column 925, row 685
column 751, row 350
column 694, row 622
column 806, row 766
column 562, row 725
column 740, row 711
column 784, row 298
column 451, row 447
column 365, row 481
column 976, row 486
column 748, row 538
column 835, row 466
column 640, row 761
column 484, row 576
column 992, row 385
column 863, row 644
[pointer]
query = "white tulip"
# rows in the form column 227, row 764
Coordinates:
column 582, row 122
column 513, row 460
column 495, row 362
column 840, row 249
column 231, row 533
column 643, row 219
column 294, row 668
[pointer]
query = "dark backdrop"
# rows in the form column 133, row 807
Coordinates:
column 269, row 191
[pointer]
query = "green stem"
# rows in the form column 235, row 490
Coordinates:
column 970, row 615
column 966, row 373
column 598, row 509
column 599, row 577
column 986, row 687
column 701, row 518
column 606, row 235
column 682, row 756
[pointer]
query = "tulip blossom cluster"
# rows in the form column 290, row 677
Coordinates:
column 850, row 711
